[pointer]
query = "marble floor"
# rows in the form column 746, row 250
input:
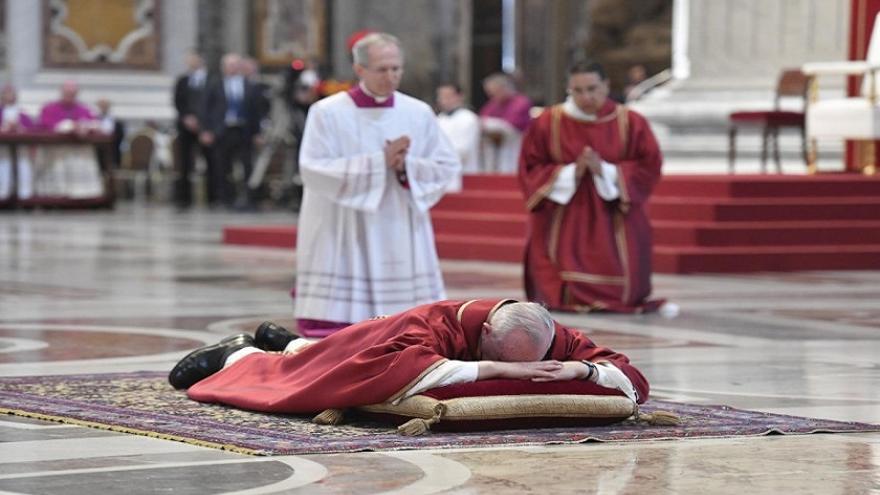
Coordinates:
column 133, row 289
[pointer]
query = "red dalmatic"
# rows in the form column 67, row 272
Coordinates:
column 590, row 254
column 378, row 360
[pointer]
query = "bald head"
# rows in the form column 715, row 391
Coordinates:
column 69, row 90
column 517, row 332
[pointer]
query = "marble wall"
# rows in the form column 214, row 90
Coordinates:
column 435, row 35
column 748, row 42
column 122, row 61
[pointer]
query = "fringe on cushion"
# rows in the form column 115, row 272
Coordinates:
column 658, row 418
column 419, row 426
column 329, row 417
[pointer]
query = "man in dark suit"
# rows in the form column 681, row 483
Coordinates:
column 232, row 124
column 189, row 100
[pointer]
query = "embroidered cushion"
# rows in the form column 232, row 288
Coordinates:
column 505, row 404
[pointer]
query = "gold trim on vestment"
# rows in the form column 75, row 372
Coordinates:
column 620, row 237
column 555, row 138
column 625, row 203
column 416, row 380
column 544, row 190
column 553, row 240
column 461, row 310
column 623, row 128
column 590, row 278
column 555, row 155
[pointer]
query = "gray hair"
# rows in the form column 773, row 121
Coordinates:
column 532, row 318
column 360, row 50
column 501, row 78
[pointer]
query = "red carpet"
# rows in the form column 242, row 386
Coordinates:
column 702, row 223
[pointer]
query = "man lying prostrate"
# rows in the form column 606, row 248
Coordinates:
column 389, row 358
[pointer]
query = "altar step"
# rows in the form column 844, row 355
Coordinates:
column 702, row 223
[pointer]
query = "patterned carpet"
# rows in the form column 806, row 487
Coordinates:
column 143, row 403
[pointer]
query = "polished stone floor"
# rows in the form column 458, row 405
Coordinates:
column 93, row 292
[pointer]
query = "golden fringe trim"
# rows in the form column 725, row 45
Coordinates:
column 419, row 426
column 658, row 418
column 132, row 431
column 329, row 417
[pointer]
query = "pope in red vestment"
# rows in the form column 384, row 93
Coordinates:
column 378, row 360
column 587, row 168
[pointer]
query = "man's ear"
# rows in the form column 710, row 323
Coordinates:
column 487, row 329
column 358, row 70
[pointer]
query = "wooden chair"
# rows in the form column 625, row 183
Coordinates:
column 135, row 168
column 792, row 83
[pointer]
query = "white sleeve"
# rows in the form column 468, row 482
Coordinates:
column 606, row 184
column 564, row 187
column 609, row 376
column 430, row 175
column 356, row 181
column 448, row 373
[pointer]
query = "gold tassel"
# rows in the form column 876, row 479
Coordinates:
column 659, row 418
column 419, row 426
column 329, row 417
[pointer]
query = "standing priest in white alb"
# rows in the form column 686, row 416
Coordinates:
column 373, row 161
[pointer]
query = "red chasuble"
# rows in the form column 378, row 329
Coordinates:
column 378, row 360
column 590, row 254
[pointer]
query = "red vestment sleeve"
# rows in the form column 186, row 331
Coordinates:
column 537, row 168
column 571, row 345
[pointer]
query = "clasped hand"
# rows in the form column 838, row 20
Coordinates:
column 545, row 371
column 589, row 160
column 395, row 153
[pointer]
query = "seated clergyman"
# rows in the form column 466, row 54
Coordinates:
column 390, row 358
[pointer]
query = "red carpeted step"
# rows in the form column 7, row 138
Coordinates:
column 756, row 259
column 672, row 233
column 754, row 186
column 484, row 224
column 482, row 201
column 283, row 236
column 775, row 209
column 490, row 182
column 472, row 247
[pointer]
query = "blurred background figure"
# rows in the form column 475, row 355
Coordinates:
column 189, row 101
column 461, row 125
column 504, row 119
column 69, row 170
column 635, row 75
column 277, row 165
column 14, row 119
column 231, row 125
column 110, row 125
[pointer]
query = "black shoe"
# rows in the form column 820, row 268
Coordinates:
column 272, row 337
column 205, row 361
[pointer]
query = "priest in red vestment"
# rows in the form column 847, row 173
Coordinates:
column 587, row 168
column 390, row 358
